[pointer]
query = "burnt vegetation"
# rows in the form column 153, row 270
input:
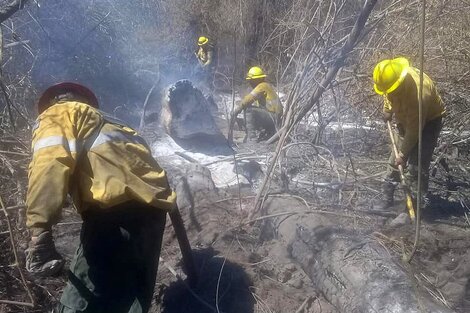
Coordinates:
column 330, row 152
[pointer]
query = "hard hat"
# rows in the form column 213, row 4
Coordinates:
column 45, row 101
column 389, row 74
column 202, row 41
column 255, row 72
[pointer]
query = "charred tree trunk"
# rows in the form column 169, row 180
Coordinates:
column 356, row 274
column 352, row 269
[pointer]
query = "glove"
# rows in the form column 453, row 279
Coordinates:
column 400, row 159
column 42, row 258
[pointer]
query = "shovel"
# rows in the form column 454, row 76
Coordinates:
column 185, row 247
column 406, row 188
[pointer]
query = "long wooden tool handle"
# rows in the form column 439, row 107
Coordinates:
column 409, row 201
column 395, row 149
column 185, row 247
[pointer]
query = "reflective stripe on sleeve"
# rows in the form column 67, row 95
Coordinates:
column 254, row 94
column 117, row 136
column 51, row 141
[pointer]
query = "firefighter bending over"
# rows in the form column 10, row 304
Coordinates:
column 119, row 190
column 262, row 106
column 398, row 83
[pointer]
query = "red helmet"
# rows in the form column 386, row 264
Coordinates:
column 45, row 101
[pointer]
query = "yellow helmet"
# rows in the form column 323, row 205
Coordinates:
column 202, row 41
column 255, row 72
column 389, row 74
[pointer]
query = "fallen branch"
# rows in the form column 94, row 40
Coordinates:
column 309, row 211
column 7, row 100
column 15, row 207
column 16, row 43
column 14, row 153
column 238, row 156
column 17, row 263
column 17, row 303
column 336, row 185
column 186, row 157
column 10, row 104
column 302, row 306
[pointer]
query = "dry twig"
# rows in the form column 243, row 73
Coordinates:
column 17, row 263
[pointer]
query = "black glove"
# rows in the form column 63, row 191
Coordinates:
column 42, row 258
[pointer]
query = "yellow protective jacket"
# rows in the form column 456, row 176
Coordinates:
column 205, row 55
column 100, row 162
column 262, row 96
column 405, row 107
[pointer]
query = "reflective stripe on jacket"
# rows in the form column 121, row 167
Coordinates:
column 405, row 107
column 101, row 163
column 263, row 96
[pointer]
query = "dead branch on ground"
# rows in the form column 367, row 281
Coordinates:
column 17, row 263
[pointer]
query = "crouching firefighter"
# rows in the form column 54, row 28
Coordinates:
column 262, row 106
column 398, row 83
column 119, row 190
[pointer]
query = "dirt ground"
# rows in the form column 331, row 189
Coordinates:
column 239, row 270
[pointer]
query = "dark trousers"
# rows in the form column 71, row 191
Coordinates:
column 429, row 142
column 259, row 119
column 115, row 266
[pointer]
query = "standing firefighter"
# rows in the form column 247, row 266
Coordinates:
column 205, row 53
column 398, row 83
column 206, row 59
column 120, row 191
column 262, row 106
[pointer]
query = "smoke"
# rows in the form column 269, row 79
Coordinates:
column 115, row 47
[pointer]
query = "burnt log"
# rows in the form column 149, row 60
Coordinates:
column 351, row 269
column 186, row 113
column 356, row 274
column 188, row 118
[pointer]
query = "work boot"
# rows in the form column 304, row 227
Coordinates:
column 42, row 258
column 388, row 191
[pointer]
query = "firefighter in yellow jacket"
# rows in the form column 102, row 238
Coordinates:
column 262, row 106
column 205, row 55
column 398, row 83
column 205, row 52
column 119, row 190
